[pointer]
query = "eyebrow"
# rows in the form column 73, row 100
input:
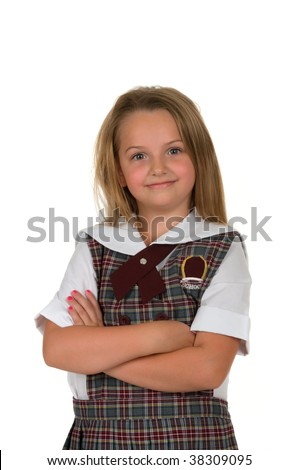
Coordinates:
column 141, row 146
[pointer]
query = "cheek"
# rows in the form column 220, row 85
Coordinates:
column 133, row 178
column 188, row 172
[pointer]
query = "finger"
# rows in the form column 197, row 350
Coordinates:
column 84, row 315
column 77, row 312
column 75, row 317
column 84, row 308
column 93, row 300
column 90, row 305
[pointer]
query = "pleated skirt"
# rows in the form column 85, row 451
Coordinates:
column 203, row 424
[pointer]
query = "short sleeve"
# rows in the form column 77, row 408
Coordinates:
column 80, row 276
column 225, row 304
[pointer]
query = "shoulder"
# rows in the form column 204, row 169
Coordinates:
column 122, row 238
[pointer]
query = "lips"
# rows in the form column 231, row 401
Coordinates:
column 161, row 185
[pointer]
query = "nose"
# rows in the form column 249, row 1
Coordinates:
column 158, row 167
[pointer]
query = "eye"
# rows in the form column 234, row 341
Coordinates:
column 175, row 151
column 138, row 156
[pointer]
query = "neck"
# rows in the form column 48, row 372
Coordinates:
column 151, row 228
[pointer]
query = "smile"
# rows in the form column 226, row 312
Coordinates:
column 162, row 185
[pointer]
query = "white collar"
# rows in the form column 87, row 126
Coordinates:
column 124, row 238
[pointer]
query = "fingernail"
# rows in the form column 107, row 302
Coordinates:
column 70, row 297
column 70, row 308
column 88, row 291
column 74, row 292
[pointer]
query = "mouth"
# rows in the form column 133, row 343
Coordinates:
column 162, row 185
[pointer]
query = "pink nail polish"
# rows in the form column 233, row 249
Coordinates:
column 88, row 291
column 70, row 297
column 70, row 308
column 74, row 292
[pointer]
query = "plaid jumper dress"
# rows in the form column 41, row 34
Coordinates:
column 121, row 416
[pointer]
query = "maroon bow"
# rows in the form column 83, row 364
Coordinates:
column 141, row 269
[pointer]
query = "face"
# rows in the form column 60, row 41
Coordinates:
column 155, row 165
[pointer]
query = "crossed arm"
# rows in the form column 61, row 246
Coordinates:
column 162, row 356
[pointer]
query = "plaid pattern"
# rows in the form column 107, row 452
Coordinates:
column 119, row 415
column 211, row 429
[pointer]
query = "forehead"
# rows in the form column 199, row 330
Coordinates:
column 146, row 124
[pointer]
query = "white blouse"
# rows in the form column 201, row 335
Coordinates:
column 224, row 306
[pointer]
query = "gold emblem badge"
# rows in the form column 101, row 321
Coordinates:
column 194, row 270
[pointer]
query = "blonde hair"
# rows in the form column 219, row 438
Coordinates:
column 208, row 194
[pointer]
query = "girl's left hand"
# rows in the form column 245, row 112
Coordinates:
column 84, row 310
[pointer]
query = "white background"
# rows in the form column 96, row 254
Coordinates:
column 63, row 64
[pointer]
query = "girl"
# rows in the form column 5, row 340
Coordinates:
column 153, row 307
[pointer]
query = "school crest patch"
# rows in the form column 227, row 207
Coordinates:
column 194, row 270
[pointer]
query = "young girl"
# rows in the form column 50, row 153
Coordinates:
column 153, row 307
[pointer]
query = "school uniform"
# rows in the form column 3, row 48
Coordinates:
column 199, row 277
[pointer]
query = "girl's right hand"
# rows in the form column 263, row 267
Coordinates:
column 167, row 335
column 93, row 350
column 84, row 310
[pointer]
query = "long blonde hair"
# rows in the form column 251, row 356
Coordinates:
column 208, row 194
